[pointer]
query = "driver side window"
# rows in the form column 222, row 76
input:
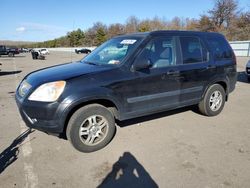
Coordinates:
column 160, row 52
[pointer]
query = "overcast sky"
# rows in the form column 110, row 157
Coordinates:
column 39, row 20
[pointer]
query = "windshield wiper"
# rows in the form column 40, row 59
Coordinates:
column 90, row 63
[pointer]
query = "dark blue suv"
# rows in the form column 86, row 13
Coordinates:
column 126, row 77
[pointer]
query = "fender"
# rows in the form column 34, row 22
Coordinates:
column 217, row 79
column 75, row 101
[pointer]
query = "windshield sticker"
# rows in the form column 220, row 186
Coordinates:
column 128, row 41
column 114, row 62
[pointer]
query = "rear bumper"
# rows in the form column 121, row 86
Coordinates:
column 232, row 85
column 232, row 82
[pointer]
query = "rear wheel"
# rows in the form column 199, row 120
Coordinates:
column 213, row 101
column 248, row 78
column 91, row 128
column 11, row 54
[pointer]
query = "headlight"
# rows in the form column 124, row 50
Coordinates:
column 24, row 88
column 48, row 92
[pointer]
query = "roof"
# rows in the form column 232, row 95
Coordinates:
column 141, row 34
column 161, row 32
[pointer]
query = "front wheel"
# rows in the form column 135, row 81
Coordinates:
column 91, row 128
column 213, row 101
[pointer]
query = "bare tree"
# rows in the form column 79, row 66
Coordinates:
column 240, row 27
column 223, row 12
column 144, row 26
column 115, row 29
column 132, row 25
column 158, row 24
column 205, row 24
column 175, row 23
column 191, row 24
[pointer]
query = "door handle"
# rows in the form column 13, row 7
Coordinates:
column 211, row 67
column 173, row 73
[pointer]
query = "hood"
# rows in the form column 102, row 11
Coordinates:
column 63, row 72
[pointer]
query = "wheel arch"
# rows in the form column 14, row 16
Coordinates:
column 111, row 105
column 223, row 83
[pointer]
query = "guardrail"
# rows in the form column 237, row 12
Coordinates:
column 241, row 48
column 71, row 49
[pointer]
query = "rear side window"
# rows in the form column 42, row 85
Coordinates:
column 220, row 48
column 192, row 50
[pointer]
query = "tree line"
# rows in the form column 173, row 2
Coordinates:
column 225, row 17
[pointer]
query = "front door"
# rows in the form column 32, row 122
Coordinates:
column 158, row 86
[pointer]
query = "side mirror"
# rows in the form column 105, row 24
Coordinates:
column 142, row 63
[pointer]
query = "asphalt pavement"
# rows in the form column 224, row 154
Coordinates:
column 179, row 148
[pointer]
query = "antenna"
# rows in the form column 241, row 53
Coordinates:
column 72, row 46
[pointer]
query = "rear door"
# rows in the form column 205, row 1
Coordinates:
column 224, row 58
column 196, row 69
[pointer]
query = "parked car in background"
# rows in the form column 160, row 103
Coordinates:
column 127, row 77
column 83, row 51
column 8, row 51
column 36, row 54
column 44, row 51
column 15, row 50
column 24, row 50
column 248, row 70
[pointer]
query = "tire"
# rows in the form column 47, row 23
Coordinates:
column 248, row 78
column 96, row 124
column 11, row 54
column 212, row 105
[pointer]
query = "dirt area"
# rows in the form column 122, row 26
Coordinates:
column 180, row 148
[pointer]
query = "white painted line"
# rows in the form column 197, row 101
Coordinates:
column 26, row 148
column 31, row 179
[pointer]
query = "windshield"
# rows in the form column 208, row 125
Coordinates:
column 113, row 51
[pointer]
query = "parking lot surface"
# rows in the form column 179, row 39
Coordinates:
column 180, row 148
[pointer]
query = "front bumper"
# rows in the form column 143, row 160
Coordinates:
column 46, row 117
column 248, row 71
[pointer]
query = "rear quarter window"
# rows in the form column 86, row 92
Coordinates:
column 220, row 48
